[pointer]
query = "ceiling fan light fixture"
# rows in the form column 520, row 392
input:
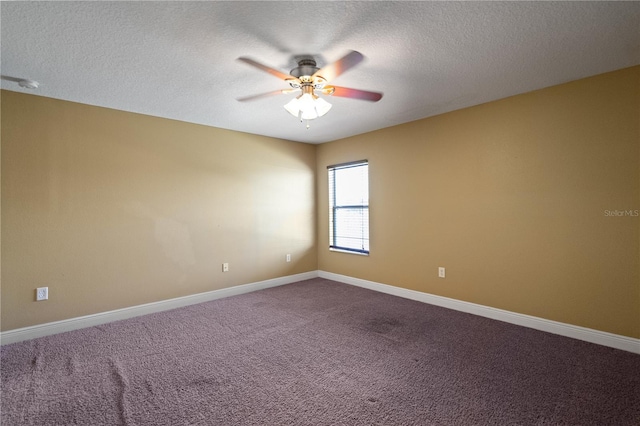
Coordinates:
column 307, row 106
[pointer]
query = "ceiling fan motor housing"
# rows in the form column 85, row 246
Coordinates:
column 305, row 73
column 306, row 67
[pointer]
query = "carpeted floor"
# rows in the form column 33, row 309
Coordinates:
column 316, row 353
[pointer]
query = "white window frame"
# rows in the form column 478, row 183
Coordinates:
column 339, row 233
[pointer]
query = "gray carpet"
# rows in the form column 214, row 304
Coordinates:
column 316, row 353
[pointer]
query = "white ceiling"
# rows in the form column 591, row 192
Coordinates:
column 178, row 59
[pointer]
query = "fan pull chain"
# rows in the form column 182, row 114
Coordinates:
column 302, row 120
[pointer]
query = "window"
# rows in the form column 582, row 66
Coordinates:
column 349, row 207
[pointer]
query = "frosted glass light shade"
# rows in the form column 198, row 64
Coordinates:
column 292, row 107
column 322, row 107
column 307, row 107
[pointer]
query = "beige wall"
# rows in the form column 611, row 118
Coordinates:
column 112, row 209
column 510, row 197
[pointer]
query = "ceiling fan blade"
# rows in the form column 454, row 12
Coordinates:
column 345, row 92
column 266, row 95
column 331, row 71
column 265, row 68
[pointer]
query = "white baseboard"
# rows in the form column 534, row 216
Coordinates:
column 41, row 330
column 581, row 333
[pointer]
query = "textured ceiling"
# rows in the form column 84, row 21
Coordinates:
column 178, row 59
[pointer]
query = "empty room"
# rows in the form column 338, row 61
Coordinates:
column 320, row 213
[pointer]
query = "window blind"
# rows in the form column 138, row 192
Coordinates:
column 349, row 207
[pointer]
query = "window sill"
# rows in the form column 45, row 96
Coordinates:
column 348, row 252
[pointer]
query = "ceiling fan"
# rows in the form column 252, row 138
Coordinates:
column 311, row 80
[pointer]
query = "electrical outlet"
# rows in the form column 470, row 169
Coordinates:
column 42, row 293
column 288, row 258
column 225, row 267
column 440, row 272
